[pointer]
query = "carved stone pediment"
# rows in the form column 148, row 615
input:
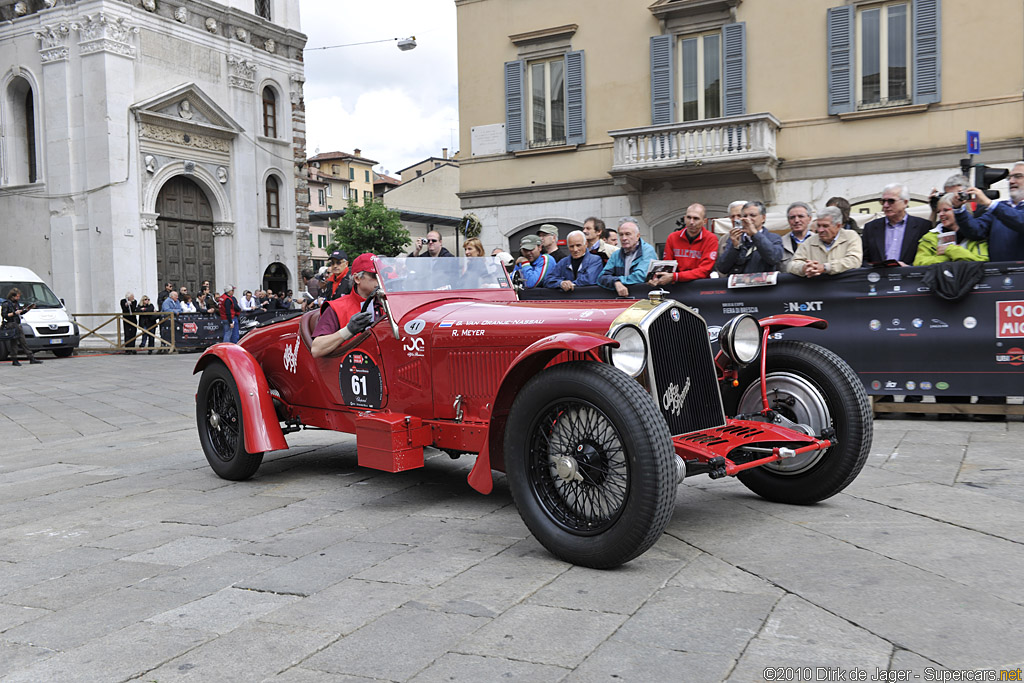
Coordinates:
column 186, row 109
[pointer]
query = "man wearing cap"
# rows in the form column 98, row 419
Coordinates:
column 229, row 311
column 339, row 279
column 534, row 265
column 434, row 246
column 548, row 235
column 331, row 332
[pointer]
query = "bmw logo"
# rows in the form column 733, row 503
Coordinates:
column 674, row 314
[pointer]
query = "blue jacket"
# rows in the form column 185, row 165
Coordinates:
column 587, row 275
column 171, row 306
column 615, row 269
column 534, row 273
column 762, row 254
column 1002, row 225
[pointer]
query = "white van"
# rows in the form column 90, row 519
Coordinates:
column 48, row 326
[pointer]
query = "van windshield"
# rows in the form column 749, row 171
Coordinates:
column 31, row 293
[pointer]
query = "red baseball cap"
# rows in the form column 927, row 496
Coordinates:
column 364, row 262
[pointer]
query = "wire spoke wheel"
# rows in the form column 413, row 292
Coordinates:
column 590, row 464
column 221, row 425
column 578, row 469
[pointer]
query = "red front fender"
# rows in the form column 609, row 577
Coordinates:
column 528, row 363
column 262, row 429
column 781, row 322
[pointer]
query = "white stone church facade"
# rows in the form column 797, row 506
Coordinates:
column 144, row 141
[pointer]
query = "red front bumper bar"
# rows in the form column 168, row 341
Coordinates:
column 711, row 444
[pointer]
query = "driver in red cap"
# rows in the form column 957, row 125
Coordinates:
column 330, row 333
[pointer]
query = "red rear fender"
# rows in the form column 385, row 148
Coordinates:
column 262, row 428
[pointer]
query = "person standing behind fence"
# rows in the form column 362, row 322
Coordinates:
column 147, row 323
column 229, row 312
column 130, row 321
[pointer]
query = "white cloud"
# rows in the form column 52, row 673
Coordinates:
column 397, row 107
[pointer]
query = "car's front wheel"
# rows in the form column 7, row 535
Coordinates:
column 590, row 464
column 63, row 353
column 813, row 387
column 221, row 425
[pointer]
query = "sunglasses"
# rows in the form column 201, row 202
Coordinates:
column 433, row 241
column 889, row 200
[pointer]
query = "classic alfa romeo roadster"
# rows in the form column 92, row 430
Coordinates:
column 594, row 410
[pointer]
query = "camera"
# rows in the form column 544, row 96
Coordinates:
column 422, row 241
column 964, row 195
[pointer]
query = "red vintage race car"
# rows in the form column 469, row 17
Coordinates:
column 594, row 410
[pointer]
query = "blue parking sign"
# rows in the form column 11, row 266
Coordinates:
column 973, row 142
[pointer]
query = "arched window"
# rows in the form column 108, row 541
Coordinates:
column 21, row 161
column 273, row 203
column 269, row 112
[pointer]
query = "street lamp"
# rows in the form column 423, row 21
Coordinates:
column 404, row 44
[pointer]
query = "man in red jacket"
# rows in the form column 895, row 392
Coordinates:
column 693, row 248
column 343, row 318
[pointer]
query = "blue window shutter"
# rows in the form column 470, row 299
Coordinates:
column 515, row 111
column 926, row 53
column 840, row 60
column 575, row 99
column 663, row 91
column 734, row 71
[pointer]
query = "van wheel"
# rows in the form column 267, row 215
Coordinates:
column 63, row 353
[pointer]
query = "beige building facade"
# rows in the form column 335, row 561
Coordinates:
column 634, row 107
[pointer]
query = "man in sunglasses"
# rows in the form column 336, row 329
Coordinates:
column 895, row 236
column 433, row 244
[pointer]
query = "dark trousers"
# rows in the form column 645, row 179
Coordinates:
column 10, row 346
column 131, row 331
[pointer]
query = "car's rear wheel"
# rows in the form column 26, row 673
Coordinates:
column 221, row 425
column 811, row 386
column 590, row 464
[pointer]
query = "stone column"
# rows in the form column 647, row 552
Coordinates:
column 147, row 237
column 224, row 256
column 303, row 246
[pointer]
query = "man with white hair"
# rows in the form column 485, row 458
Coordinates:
column 894, row 237
column 629, row 265
column 1002, row 224
column 579, row 269
column 830, row 250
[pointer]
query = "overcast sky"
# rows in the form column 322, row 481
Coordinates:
column 397, row 107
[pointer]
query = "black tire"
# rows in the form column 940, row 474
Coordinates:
column 813, row 386
column 221, row 427
column 610, row 493
column 63, row 353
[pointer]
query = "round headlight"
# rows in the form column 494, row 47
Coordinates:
column 741, row 339
column 631, row 356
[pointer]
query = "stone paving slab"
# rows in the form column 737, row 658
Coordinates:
column 122, row 557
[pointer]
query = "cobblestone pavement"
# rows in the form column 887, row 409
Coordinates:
column 122, row 556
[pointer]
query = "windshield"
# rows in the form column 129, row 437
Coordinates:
column 31, row 293
column 418, row 274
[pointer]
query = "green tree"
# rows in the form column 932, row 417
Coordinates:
column 371, row 228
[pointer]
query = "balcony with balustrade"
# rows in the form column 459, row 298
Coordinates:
column 730, row 145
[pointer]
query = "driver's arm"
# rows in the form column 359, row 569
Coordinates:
column 326, row 344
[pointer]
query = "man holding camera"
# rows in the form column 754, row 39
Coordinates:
column 751, row 248
column 894, row 237
column 1002, row 224
column 433, row 244
column 11, row 311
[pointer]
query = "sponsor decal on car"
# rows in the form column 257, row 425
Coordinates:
column 446, row 323
column 414, row 346
column 291, row 356
column 414, row 327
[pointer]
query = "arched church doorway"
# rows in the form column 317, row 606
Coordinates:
column 275, row 277
column 184, row 236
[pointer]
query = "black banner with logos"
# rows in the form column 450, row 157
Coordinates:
column 894, row 332
column 199, row 330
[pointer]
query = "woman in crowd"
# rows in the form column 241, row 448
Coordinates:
column 473, row 248
column 843, row 205
column 186, row 304
column 147, row 322
column 955, row 248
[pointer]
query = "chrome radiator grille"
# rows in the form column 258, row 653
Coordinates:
column 684, row 381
